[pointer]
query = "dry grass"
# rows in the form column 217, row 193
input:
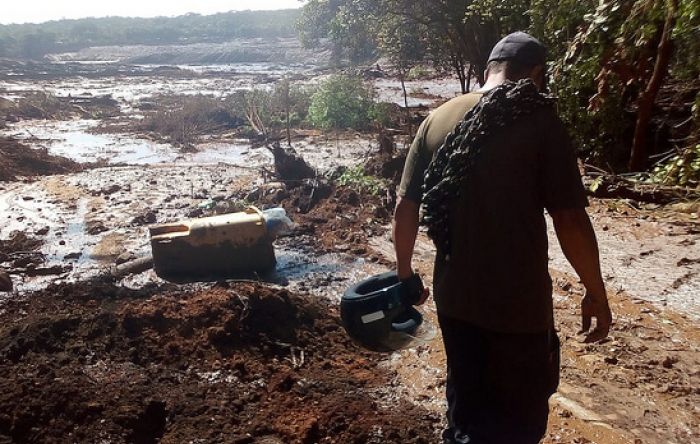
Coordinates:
column 184, row 119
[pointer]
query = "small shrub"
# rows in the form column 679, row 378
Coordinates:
column 681, row 169
column 419, row 72
column 341, row 102
column 383, row 114
column 357, row 178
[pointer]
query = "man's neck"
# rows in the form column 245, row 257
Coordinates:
column 493, row 81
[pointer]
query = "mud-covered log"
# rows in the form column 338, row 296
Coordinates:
column 132, row 267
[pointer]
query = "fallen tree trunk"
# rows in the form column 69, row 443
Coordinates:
column 616, row 188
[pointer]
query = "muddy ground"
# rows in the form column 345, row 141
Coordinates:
column 238, row 363
column 17, row 159
column 141, row 360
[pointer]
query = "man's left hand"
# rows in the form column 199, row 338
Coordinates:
column 595, row 305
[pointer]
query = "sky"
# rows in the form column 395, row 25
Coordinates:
column 37, row 11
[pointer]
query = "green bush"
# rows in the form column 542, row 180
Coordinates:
column 358, row 179
column 419, row 72
column 682, row 169
column 342, row 102
column 383, row 114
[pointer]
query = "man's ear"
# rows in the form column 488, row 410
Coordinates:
column 537, row 75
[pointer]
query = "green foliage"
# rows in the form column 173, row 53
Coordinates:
column 358, row 179
column 398, row 40
column 606, row 67
column 419, row 72
column 682, row 169
column 341, row 102
column 556, row 22
column 36, row 40
column 452, row 34
column 685, row 34
column 382, row 114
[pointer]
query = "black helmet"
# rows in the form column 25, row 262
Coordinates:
column 374, row 315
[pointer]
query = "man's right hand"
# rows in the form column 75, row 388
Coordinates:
column 413, row 290
column 595, row 305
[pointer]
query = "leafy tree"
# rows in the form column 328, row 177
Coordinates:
column 341, row 102
column 615, row 67
column 402, row 45
column 459, row 34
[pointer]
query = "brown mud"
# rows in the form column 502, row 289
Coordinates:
column 331, row 218
column 239, row 363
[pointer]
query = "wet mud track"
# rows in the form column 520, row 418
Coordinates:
column 238, row 363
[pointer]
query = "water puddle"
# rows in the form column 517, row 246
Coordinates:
column 326, row 275
column 420, row 92
column 74, row 139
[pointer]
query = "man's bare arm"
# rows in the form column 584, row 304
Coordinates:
column 579, row 244
column 404, row 232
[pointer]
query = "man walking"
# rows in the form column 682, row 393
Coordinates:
column 485, row 166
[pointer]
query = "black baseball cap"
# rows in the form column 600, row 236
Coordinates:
column 521, row 47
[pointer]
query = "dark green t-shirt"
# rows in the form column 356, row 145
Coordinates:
column 497, row 275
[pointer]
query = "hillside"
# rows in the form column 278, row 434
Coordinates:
column 34, row 41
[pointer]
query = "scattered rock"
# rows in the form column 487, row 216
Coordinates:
column 111, row 190
column 5, row 282
column 669, row 361
column 125, row 257
column 685, row 262
column 75, row 255
column 43, row 231
column 147, row 218
column 95, row 227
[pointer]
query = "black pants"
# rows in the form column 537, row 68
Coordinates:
column 498, row 384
